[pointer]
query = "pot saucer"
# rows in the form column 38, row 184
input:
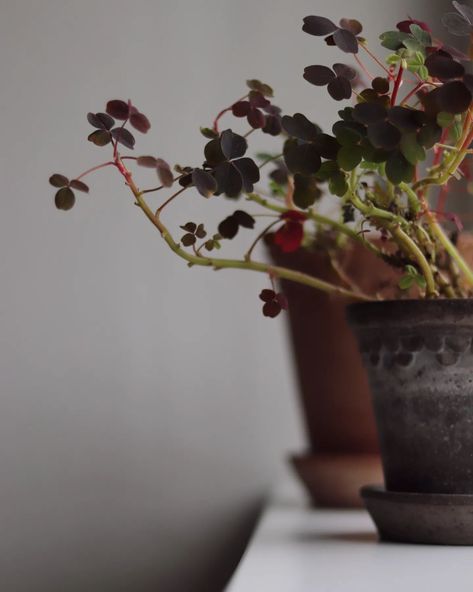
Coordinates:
column 428, row 518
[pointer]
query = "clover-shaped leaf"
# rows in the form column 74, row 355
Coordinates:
column 300, row 127
column 231, row 170
column 65, row 198
column 273, row 302
column 192, row 233
column 344, row 35
column 126, row 111
column 228, row 228
column 337, row 80
column 260, row 87
column 441, row 65
column 251, row 109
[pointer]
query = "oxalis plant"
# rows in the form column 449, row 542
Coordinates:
column 404, row 131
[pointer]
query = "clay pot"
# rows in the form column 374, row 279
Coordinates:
column 419, row 358
column 342, row 450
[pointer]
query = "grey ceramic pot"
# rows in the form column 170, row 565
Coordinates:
column 419, row 357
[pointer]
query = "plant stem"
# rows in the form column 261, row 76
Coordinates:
column 217, row 263
column 258, row 238
column 320, row 220
column 397, row 85
column 441, row 236
column 95, row 168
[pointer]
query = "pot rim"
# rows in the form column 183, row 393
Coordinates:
column 411, row 312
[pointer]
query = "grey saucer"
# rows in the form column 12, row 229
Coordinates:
column 429, row 518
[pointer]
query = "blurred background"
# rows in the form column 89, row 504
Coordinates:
column 146, row 408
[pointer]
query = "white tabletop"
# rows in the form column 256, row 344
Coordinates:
column 297, row 549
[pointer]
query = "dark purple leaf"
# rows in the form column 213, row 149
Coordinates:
column 233, row 145
column 318, row 75
column 256, row 118
column 100, row 137
column 345, row 71
column 468, row 82
column 228, row 228
column 306, row 191
column 79, row 185
column 244, row 219
column 189, row 227
column 118, row 109
column 148, row 162
column 257, row 99
column 318, row 25
column 58, row 180
column 346, row 41
column 267, row 295
column 351, row 25
column 443, row 67
column 452, row 97
column 228, row 179
column 249, row 172
column 100, row 120
column 241, row 109
column 398, row 169
column 405, row 26
column 140, row 122
column 188, row 240
column 301, row 158
column 327, row 146
column 405, row 118
column 429, row 135
column 213, row 152
column 64, row 199
column 367, row 113
column 348, row 132
column 123, row 136
column 271, row 309
column 339, row 88
column 164, row 172
column 272, row 125
column 200, row 231
column 380, row 85
column 384, row 135
column 204, row 182
column 300, row 127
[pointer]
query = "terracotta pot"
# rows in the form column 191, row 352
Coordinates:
column 334, row 394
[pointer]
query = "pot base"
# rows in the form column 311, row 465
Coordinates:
column 426, row 518
column 334, row 480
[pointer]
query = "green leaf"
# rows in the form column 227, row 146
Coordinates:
column 423, row 72
column 412, row 44
column 306, row 191
column 445, row 119
column 328, row 169
column 277, row 189
column 209, row 133
column 349, row 157
column 338, row 184
column 406, row 282
column 421, row 35
column 411, row 149
column 393, row 40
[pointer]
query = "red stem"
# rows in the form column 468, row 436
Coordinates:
column 95, row 168
column 397, row 84
column 223, row 111
column 417, row 87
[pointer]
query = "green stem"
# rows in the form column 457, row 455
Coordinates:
column 443, row 239
column 218, row 263
column 342, row 228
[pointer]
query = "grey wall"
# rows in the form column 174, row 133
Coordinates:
column 145, row 407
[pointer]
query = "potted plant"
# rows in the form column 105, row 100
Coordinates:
column 406, row 130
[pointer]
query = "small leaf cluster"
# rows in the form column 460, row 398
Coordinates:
column 65, row 197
